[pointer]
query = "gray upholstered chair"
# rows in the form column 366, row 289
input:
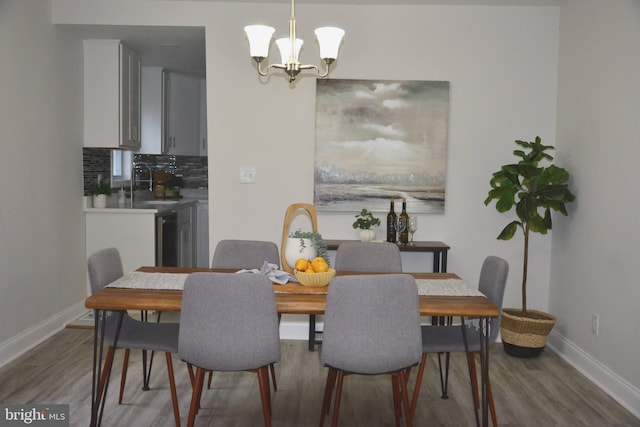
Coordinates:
column 247, row 254
column 229, row 322
column 448, row 339
column 380, row 257
column 366, row 257
column 371, row 326
column 104, row 267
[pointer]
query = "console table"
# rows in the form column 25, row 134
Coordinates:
column 439, row 250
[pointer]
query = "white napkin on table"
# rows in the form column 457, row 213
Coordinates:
column 271, row 271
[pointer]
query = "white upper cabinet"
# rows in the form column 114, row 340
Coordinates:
column 171, row 113
column 111, row 95
column 183, row 114
column 154, row 140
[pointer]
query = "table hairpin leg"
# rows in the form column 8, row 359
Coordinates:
column 469, row 365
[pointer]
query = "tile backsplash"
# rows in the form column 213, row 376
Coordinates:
column 192, row 169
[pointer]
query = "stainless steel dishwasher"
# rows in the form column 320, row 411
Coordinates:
column 167, row 239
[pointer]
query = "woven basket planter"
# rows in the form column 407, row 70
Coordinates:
column 525, row 336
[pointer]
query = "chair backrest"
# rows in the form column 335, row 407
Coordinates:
column 372, row 324
column 381, row 257
column 229, row 322
column 493, row 280
column 104, row 267
column 246, row 254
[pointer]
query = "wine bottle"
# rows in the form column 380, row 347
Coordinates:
column 391, row 223
column 404, row 221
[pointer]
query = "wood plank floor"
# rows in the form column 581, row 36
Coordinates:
column 544, row 391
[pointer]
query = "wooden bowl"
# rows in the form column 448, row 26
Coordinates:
column 315, row 279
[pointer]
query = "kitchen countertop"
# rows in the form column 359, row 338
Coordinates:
column 145, row 207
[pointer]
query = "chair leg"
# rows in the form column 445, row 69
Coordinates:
column 108, row 361
column 416, row 390
column 192, row 377
column 123, row 377
column 195, row 396
column 272, row 369
column 474, row 381
column 328, row 392
column 336, row 404
column 404, row 394
column 265, row 394
column 172, row 387
column 397, row 398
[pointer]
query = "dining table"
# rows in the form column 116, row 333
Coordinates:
column 291, row 298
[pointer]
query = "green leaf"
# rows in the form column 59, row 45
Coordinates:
column 509, row 231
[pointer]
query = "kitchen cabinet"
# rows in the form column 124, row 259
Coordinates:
column 183, row 114
column 134, row 233
column 112, row 75
column 171, row 113
column 186, row 237
column 203, row 117
column 202, row 234
column 153, row 111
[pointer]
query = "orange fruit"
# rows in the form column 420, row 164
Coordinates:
column 319, row 265
column 309, row 269
column 301, row 264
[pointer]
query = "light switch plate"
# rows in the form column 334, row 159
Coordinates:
column 247, row 175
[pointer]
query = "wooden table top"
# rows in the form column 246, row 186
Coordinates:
column 291, row 298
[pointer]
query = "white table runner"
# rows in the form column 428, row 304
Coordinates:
column 446, row 287
column 175, row 281
column 140, row 280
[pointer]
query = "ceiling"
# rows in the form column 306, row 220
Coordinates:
column 182, row 49
column 179, row 49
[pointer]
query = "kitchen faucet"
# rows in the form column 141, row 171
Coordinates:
column 134, row 167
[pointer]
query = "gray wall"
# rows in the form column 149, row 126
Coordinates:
column 594, row 253
column 42, row 262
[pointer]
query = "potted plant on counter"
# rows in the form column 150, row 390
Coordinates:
column 100, row 191
column 364, row 221
column 534, row 191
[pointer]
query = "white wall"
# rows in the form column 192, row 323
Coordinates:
column 594, row 261
column 42, row 267
column 485, row 52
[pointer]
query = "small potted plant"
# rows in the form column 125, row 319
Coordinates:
column 533, row 191
column 307, row 245
column 100, row 191
column 364, row 221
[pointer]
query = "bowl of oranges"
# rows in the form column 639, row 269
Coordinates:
column 314, row 273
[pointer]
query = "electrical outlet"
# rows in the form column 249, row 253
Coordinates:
column 595, row 324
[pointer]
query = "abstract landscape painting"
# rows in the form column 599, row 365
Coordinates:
column 381, row 139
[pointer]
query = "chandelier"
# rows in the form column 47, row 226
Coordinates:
column 259, row 36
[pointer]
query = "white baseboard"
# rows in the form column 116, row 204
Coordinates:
column 611, row 383
column 16, row 346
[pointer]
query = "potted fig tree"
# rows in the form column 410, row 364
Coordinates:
column 531, row 190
